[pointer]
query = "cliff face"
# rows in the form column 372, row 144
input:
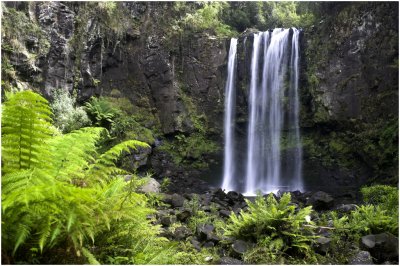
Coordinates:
column 350, row 96
column 349, row 83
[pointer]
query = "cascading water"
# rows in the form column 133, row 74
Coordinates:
column 273, row 98
column 297, row 182
column 229, row 126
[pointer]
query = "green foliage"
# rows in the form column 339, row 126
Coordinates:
column 369, row 219
column 58, row 193
column 165, row 184
column 268, row 15
column 276, row 226
column 385, row 196
column 123, row 120
column 101, row 112
column 366, row 219
column 378, row 142
column 67, row 116
column 188, row 255
column 128, row 127
column 25, row 126
column 205, row 16
column 190, row 149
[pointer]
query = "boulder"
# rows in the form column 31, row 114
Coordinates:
column 205, row 232
column 152, row 186
column 184, row 215
column 361, row 258
column 229, row 261
column 383, row 247
column 224, row 213
column 234, row 196
column 322, row 245
column 177, row 200
column 209, row 244
column 346, row 208
column 167, row 220
column 240, row 247
column 195, row 244
column 321, row 201
column 182, row 232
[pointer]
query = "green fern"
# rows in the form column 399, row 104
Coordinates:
column 25, row 126
column 101, row 112
column 276, row 226
column 104, row 166
column 52, row 195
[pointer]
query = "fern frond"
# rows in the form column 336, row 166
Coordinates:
column 44, row 234
column 73, row 152
column 104, row 166
column 90, row 257
column 25, row 126
column 23, row 233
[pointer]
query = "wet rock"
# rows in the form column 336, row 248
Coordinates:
column 229, row 261
column 195, row 244
column 177, row 200
column 235, row 196
column 182, row 232
column 361, row 258
column 213, row 238
column 183, row 215
column 383, row 247
column 322, row 245
column 225, row 213
column 220, row 195
column 209, row 244
column 152, row 186
column 206, row 208
column 240, row 246
column 346, row 208
column 167, row 220
column 205, row 231
column 167, row 199
column 134, row 159
column 321, row 201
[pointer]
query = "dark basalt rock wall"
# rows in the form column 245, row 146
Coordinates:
column 350, row 96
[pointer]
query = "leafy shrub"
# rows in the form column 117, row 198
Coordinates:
column 67, row 117
column 190, row 149
column 127, row 127
column 370, row 219
column 208, row 18
column 383, row 195
column 276, row 227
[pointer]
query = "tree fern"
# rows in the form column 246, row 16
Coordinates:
column 25, row 126
column 41, row 202
column 73, row 152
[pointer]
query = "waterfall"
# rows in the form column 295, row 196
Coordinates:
column 229, row 125
column 297, row 182
column 273, row 116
